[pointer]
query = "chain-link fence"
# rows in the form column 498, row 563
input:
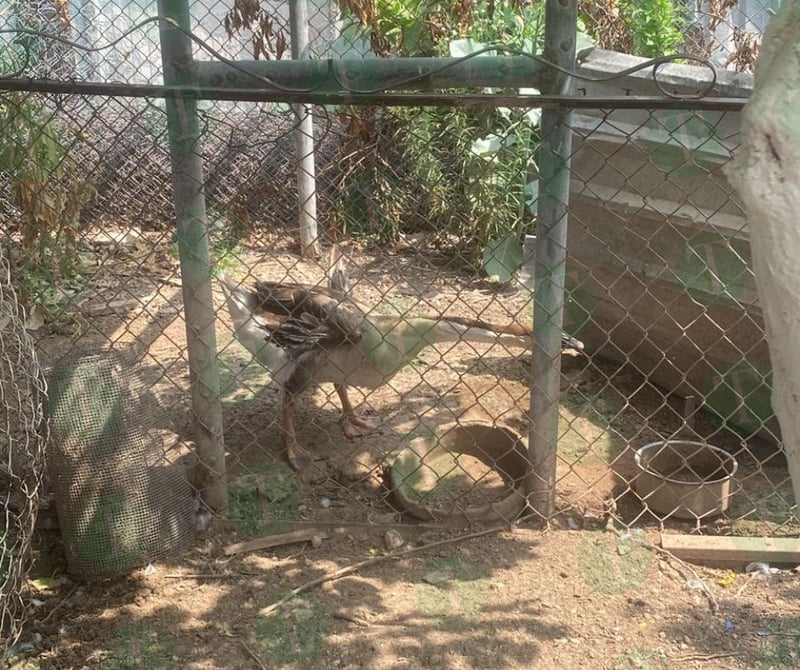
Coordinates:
column 389, row 377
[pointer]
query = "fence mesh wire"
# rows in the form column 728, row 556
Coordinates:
column 430, row 206
column 22, row 434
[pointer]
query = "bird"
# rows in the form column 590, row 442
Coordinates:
column 310, row 334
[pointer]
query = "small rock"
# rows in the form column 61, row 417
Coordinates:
column 307, row 562
column 302, row 509
column 695, row 584
column 393, row 540
column 437, row 577
column 316, row 541
column 436, row 659
column 761, row 569
column 203, row 521
column 356, row 469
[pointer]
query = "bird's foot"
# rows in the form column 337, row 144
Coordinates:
column 299, row 457
column 354, row 425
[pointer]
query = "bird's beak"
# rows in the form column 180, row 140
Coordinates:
column 571, row 345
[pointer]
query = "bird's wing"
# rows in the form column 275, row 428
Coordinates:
column 300, row 316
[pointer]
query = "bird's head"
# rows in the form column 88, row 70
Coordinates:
column 571, row 345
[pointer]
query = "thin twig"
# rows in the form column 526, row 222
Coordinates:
column 60, row 603
column 253, row 655
column 357, row 620
column 712, row 599
column 208, row 575
column 750, row 578
column 350, row 569
column 277, row 540
column 705, row 657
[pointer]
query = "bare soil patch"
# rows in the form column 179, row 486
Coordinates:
column 520, row 598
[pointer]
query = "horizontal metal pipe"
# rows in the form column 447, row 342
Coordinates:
column 372, row 76
column 388, row 99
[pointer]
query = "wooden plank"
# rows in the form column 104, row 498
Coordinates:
column 277, row 540
column 713, row 549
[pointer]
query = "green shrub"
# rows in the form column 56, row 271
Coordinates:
column 50, row 189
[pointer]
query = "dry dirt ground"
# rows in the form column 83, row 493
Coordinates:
column 577, row 594
column 522, row 599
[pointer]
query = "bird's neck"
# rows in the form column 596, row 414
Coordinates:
column 390, row 342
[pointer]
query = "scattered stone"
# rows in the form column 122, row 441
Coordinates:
column 358, row 468
column 437, row 577
column 393, row 540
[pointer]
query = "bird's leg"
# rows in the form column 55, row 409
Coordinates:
column 299, row 457
column 354, row 425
